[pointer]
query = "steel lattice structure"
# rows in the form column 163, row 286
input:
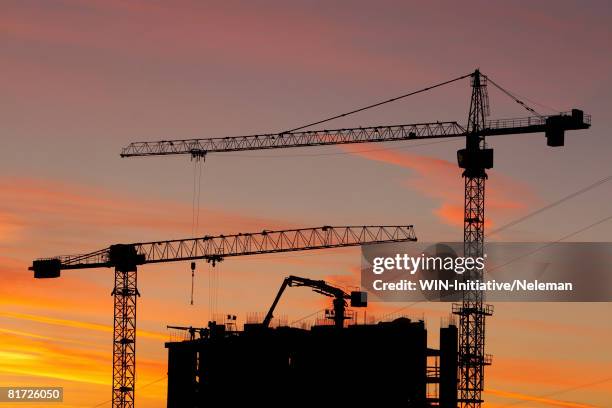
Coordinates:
column 475, row 158
column 223, row 246
column 294, row 139
column 124, row 338
column 125, row 258
column 372, row 134
column 472, row 311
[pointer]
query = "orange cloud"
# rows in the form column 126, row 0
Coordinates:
column 10, row 227
column 48, row 204
column 44, row 218
column 452, row 214
column 38, row 358
column 441, row 180
column 77, row 324
column 20, row 289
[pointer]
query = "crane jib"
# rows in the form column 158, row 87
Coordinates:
column 126, row 257
column 553, row 126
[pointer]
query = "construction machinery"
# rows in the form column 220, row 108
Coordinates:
column 126, row 258
column 474, row 159
column 357, row 298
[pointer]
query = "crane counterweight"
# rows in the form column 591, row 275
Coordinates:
column 46, row 268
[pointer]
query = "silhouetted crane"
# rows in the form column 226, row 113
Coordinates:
column 126, row 258
column 475, row 159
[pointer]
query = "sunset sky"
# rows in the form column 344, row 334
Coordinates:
column 81, row 79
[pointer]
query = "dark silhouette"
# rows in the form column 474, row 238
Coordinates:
column 357, row 298
column 384, row 363
column 126, row 258
column 476, row 158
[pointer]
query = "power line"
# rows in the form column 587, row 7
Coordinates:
column 563, row 391
column 379, row 103
column 601, row 221
column 138, row 388
column 551, row 205
column 510, row 224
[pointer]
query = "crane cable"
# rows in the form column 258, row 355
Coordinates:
column 210, row 311
column 378, row 103
column 513, row 97
column 214, row 275
column 197, row 193
column 195, row 210
column 193, row 264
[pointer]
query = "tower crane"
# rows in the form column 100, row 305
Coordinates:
column 474, row 159
column 125, row 259
column 357, row 298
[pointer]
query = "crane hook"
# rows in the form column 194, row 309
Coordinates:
column 193, row 265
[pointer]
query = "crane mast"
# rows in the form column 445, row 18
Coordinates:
column 475, row 159
column 125, row 259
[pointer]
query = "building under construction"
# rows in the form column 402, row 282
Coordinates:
column 387, row 363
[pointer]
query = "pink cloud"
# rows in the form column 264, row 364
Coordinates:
column 441, row 180
column 47, row 209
